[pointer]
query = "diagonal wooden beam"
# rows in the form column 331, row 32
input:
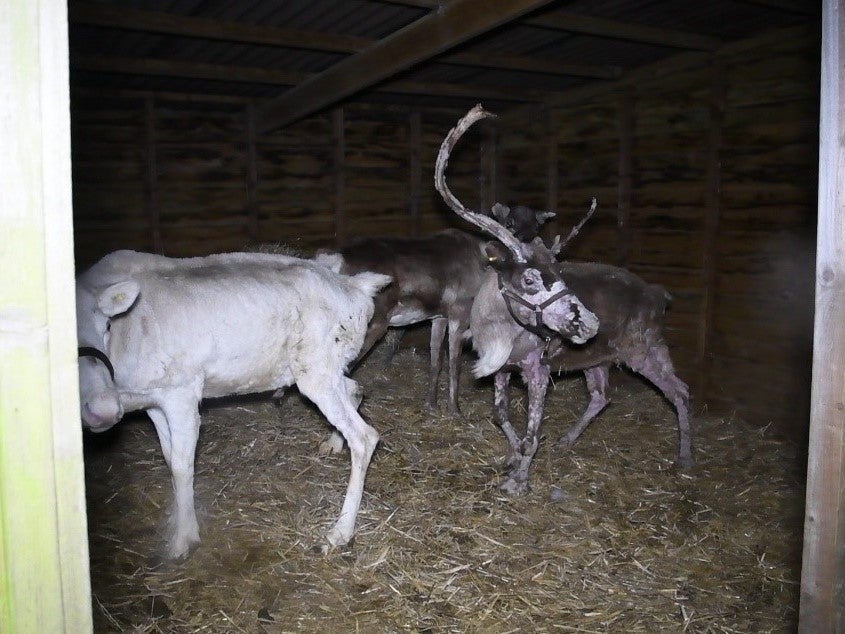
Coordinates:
column 109, row 16
column 438, row 31
column 228, row 73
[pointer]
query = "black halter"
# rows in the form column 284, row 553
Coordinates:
column 88, row 351
column 537, row 327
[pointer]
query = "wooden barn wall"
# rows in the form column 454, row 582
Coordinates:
column 182, row 178
column 705, row 170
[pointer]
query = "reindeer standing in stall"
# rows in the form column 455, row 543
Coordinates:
column 507, row 322
column 434, row 278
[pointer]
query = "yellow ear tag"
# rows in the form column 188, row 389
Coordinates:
column 120, row 298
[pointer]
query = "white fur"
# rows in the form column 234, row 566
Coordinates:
column 213, row 326
column 493, row 330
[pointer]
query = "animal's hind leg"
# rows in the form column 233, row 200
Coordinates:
column 456, row 341
column 438, row 332
column 332, row 396
column 597, row 382
column 334, row 443
column 657, row 367
column 393, row 341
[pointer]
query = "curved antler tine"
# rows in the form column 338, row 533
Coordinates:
column 481, row 221
column 576, row 228
column 556, row 247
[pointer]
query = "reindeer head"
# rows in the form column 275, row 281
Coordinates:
column 536, row 296
column 534, row 292
column 523, row 222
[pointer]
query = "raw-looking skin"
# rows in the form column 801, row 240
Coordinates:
column 630, row 333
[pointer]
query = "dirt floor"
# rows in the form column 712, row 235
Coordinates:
column 610, row 539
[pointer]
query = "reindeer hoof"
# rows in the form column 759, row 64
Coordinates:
column 514, row 487
column 330, row 446
column 684, row 463
column 564, row 442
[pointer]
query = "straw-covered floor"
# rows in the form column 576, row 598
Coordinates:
column 610, row 539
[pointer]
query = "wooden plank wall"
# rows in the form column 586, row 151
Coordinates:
column 704, row 168
column 183, row 178
column 717, row 202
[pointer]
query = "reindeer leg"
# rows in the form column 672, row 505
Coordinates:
column 394, row 341
column 456, row 331
column 597, row 382
column 501, row 413
column 382, row 304
column 657, row 367
column 334, row 443
column 438, row 333
column 376, row 330
column 536, row 376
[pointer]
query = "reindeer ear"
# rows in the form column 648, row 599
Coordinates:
column 544, row 216
column 496, row 254
column 501, row 212
column 118, row 298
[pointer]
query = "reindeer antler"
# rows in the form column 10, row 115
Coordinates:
column 481, row 221
column 557, row 247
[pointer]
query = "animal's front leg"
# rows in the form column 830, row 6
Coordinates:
column 178, row 422
column 536, row 375
column 501, row 413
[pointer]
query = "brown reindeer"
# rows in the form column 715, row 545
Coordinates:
column 434, row 278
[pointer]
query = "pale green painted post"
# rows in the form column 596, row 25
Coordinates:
column 44, row 579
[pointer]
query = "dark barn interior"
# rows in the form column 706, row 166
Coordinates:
column 201, row 126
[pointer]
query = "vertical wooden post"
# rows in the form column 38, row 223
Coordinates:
column 44, row 578
column 251, row 174
column 823, row 567
column 552, row 170
column 416, row 171
column 627, row 101
column 487, row 194
column 339, row 144
column 151, row 180
column 711, row 227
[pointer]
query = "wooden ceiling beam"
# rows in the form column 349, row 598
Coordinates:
column 531, row 64
column 112, row 16
column 615, row 29
column 429, row 36
column 802, row 7
column 228, row 73
column 185, row 70
column 109, row 16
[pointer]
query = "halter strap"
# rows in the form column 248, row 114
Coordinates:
column 537, row 328
column 88, row 351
